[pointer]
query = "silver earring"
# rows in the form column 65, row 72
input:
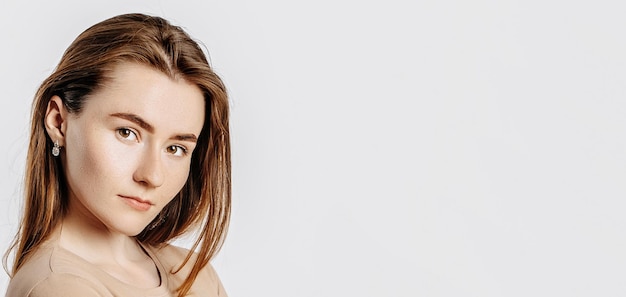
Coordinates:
column 56, row 149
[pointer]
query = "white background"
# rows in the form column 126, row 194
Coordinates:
column 390, row 148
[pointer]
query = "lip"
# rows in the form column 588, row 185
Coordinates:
column 136, row 202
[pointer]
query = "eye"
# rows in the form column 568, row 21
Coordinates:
column 176, row 150
column 127, row 134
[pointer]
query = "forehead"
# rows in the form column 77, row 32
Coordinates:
column 167, row 103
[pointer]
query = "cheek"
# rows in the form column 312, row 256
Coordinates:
column 178, row 178
column 92, row 161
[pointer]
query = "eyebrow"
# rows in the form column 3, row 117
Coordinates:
column 143, row 124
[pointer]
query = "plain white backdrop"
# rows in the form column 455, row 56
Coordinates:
column 390, row 148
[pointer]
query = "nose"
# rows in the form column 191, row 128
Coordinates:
column 150, row 169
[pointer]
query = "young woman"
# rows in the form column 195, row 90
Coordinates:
column 129, row 149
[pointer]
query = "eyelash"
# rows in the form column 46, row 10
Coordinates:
column 181, row 148
column 121, row 130
column 131, row 131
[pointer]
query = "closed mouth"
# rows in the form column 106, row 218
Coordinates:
column 137, row 203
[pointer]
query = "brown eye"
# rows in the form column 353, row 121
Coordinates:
column 126, row 133
column 176, row 150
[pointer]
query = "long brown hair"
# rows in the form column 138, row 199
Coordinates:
column 203, row 202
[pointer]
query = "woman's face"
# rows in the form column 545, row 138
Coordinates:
column 128, row 152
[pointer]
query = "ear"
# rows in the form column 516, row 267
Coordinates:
column 56, row 120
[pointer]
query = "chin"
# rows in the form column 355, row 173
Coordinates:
column 129, row 229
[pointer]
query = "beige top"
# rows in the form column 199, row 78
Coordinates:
column 54, row 271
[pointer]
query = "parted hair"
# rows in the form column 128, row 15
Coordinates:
column 202, row 204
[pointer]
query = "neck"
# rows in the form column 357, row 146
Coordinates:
column 116, row 253
column 87, row 237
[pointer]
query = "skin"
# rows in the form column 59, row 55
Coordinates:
column 131, row 142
